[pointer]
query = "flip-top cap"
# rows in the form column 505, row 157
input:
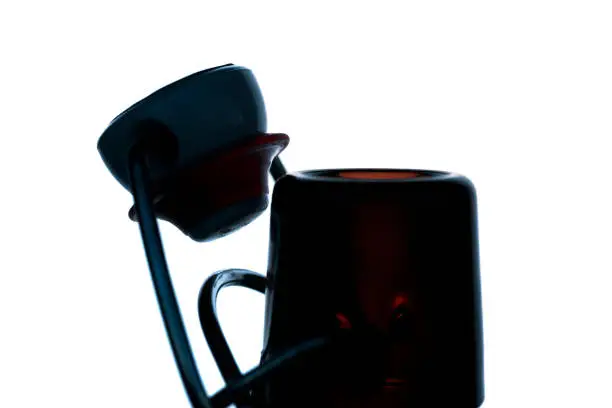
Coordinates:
column 221, row 153
column 208, row 111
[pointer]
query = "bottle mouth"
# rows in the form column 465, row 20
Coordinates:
column 373, row 174
column 378, row 175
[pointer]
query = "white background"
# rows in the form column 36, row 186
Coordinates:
column 516, row 95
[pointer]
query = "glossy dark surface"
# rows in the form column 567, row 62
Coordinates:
column 208, row 111
column 393, row 259
column 373, row 292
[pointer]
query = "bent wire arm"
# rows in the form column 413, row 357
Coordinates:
column 277, row 169
column 207, row 311
column 240, row 387
column 160, row 276
column 260, row 374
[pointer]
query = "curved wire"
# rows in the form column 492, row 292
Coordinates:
column 239, row 386
column 257, row 376
column 207, row 312
column 277, row 169
column 161, row 281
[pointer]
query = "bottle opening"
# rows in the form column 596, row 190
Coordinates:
column 379, row 175
column 370, row 175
